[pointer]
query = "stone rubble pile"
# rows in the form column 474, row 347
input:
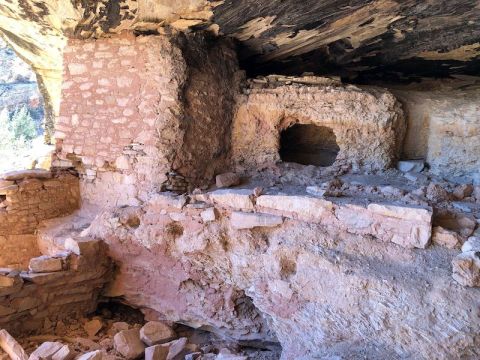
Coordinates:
column 106, row 339
column 55, row 287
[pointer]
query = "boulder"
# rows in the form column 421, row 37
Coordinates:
column 46, row 351
column 64, row 353
column 227, row 180
column 241, row 220
column 444, row 237
column 117, row 327
column 128, row 344
column 92, row 327
column 156, row 352
column 44, row 264
column 155, row 332
column 11, row 346
column 411, row 166
column 466, row 269
column 472, row 244
column 176, row 347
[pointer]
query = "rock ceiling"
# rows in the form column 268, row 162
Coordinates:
column 348, row 37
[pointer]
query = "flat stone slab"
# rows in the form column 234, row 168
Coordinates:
column 240, row 199
column 26, row 174
column 241, row 220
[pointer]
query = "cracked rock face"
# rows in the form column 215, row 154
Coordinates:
column 356, row 39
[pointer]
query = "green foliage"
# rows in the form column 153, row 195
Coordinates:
column 7, row 136
column 23, row 125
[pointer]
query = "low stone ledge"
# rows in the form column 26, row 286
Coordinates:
column 407, row 226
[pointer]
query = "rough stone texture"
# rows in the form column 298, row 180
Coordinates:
column 128, row 343
column 11, row 346
column 179, row 270
column 92, row 355
column 466, row 268
column 342, row 276
column 34, row 297
column 227, row 180
column 32, row 200
column 43, row 264
column 472, row 244
column 443, row 127
column 241, row 220
column 447, row 238
column 372, row 115
column 156, row 352
column 46, row 351
column 155, row 332
column 135, row 109
column 26, row 199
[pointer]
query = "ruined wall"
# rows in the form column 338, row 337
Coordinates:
column 322, row 274
column 133, row 111
column 372, row 115
column 28, row 198
column 444, row 127
column 65, row 285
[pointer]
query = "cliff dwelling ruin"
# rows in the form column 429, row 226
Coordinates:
column 246, row 179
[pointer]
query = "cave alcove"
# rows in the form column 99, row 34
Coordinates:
column 309, row 144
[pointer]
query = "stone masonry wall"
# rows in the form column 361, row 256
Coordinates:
column 26, row 199
column 54, row 288
column 124, row 124
column 368, row 123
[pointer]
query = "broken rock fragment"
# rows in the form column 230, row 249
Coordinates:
column 241, row 220
column 92, row 355
column 64, row 353
column 472, row 244
column 226, row 354
column 92, row 327
column 466, row 268
column 208, row 215
column 9, row 277
column 128, row 343
column 155, row 332
column 46, row 351
column 11, row 346
column 43, row 264
column 227, row 180
column 156, row 352
column 462, row 191
column 176, row 347
column 411, row 165
column 447, row 238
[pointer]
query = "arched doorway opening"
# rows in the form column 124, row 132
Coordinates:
column 309, row 144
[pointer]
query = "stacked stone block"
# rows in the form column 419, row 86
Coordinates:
column 54, row 288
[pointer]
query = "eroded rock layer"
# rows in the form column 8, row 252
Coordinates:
column 341, row 255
